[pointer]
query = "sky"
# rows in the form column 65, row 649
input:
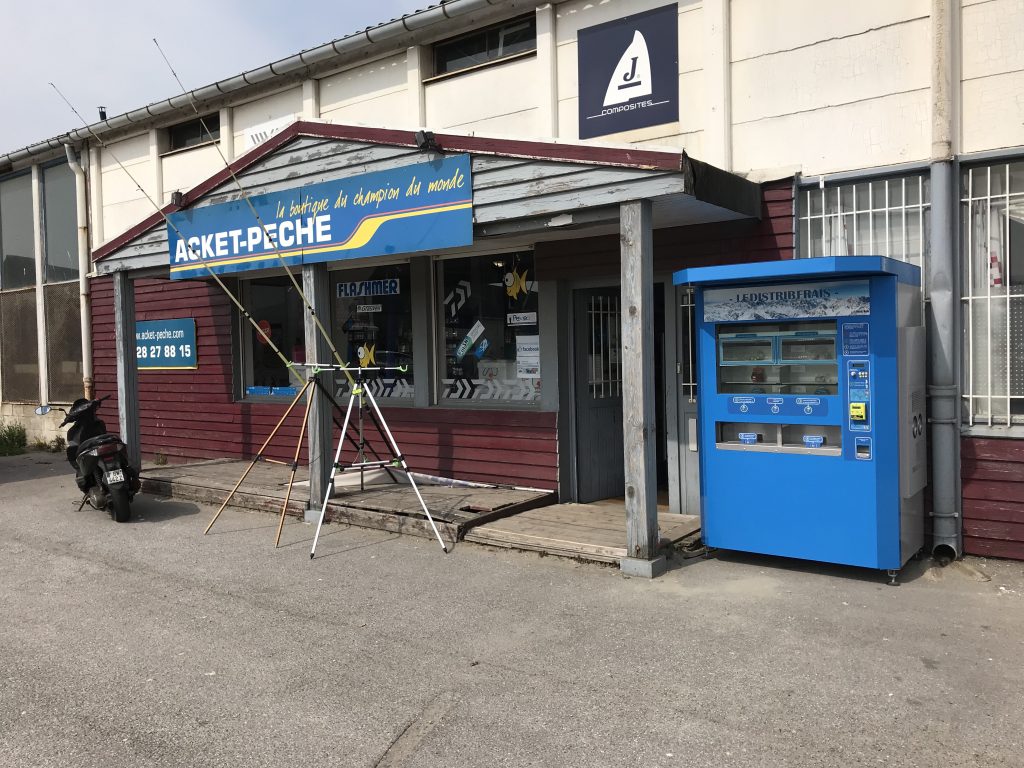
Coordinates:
column 102, row 53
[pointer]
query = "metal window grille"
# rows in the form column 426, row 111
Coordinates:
column 688, row 331
column 880, row 217
column 605, row 323
column 992, row 294
column 63, row 341
column 19, row 356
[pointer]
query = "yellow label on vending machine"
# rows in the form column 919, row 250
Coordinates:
column 858, row 411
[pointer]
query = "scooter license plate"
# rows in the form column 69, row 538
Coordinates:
column 114, row 476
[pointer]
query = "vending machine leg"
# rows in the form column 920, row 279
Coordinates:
column 893, row 577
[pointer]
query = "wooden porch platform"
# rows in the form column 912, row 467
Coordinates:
column 383, row 504
column 503, row 517
column 585, row 531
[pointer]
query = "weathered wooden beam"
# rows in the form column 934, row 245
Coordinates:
column 127, row 366
column 321, row 452
column 638, row 421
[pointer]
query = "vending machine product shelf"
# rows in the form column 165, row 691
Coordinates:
column 811, row 408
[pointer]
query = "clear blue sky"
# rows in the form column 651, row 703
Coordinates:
column 103, row 53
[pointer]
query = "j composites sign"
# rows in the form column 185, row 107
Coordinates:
column 629, row 73
column 418, row 207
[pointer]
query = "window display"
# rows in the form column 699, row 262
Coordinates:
column 277, row 308
column 491, row 337
column 371, row 326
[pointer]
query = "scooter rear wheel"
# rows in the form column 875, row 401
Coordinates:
column 120, row 505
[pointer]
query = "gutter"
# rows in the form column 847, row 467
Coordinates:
column 358, row 43
column 84, row 265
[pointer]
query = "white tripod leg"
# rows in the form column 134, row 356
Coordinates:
column 405, row 467
column 334, row 470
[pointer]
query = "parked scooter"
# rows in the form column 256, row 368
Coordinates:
column 102, row 470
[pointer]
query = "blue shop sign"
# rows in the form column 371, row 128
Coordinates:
column 166, row 345
column 424, row 206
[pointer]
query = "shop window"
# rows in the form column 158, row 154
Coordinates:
column 60, row 224
column 992, row 293
column 276, row 306
column 372, row 327
column 486, row 45
column 879, row 217
column 491, row 338
column 194, row 132
column 17, row 243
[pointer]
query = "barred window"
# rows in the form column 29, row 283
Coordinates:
column 879, row 217
column 992, row 293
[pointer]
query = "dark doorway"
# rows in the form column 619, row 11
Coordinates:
column 599, row 371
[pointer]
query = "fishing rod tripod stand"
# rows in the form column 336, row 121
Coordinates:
column 358, row 394
column 362, row 397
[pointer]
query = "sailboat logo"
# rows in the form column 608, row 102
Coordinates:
column 631, row 78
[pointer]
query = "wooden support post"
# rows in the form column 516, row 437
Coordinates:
column 638, row 422
column 315, row 286
column 127, row 367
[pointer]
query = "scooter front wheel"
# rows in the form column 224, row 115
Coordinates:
column 120, row 505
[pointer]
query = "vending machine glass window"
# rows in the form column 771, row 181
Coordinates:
column 793, row 358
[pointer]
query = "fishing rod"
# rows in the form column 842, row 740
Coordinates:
column 106, row 148
column 259, row 220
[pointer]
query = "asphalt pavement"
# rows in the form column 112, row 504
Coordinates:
column 148, row 644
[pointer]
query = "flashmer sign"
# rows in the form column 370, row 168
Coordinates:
column 418, row 207
column 629, row 73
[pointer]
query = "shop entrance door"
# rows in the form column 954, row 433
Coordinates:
column 598, row 363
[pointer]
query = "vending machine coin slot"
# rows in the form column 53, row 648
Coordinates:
column 863, row 449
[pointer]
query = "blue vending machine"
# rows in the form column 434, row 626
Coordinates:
column 811, row 382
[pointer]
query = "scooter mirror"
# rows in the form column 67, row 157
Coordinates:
column 42, row 410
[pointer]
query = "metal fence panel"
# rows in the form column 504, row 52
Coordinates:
column 19, row 355
column 63, row 342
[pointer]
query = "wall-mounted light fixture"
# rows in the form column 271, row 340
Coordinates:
column 177, row 198
column 427, row 142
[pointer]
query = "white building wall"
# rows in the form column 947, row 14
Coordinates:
column 823, row 87
column 808, row 87
column 184, row 169
column 992, row 68
column 498, row 100
column 373, row 94
column 123, row 204
column 276, row 109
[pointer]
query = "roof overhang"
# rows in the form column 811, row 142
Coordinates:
column 531, row 190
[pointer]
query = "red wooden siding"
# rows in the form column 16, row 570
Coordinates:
column 193, row 415
column 729, row 242
column 993, row 496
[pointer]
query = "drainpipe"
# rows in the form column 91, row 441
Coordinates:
column 83, row 269
column 943, row 315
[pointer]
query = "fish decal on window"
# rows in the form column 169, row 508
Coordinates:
column 515, row 283
column 367, row 355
